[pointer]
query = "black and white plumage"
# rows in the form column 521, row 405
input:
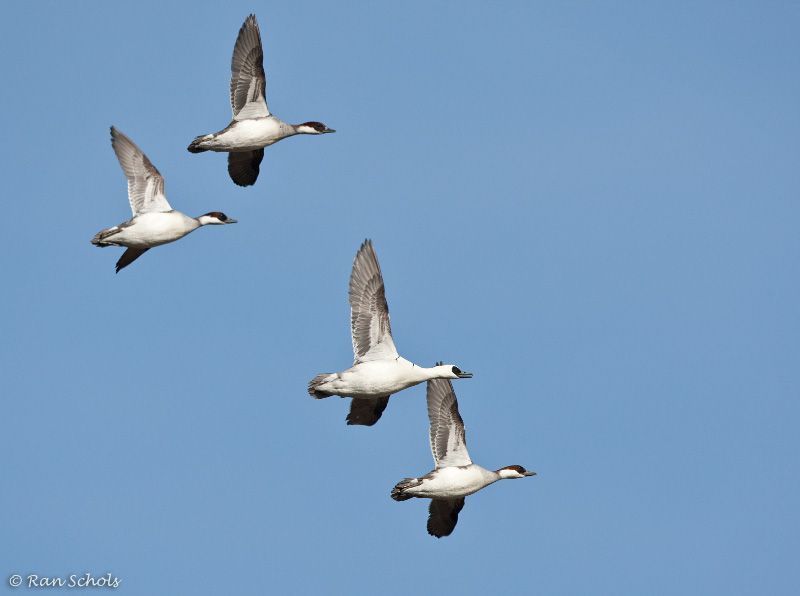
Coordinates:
column 253, row 127
column 454, row 476
column 154, row 221
column 378, row 370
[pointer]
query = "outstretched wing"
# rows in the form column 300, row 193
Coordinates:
column 443, row 516
column 366, row 412
column 369, row 312
column 145, row 183
column 448, row 439
column 248, row 81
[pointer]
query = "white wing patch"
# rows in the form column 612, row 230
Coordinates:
column 253, row 109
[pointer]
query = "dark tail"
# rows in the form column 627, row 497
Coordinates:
column 398, row 493
column 100, row 238
column 316, row 382
column 194, row 146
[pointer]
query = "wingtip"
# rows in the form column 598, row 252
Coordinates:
column 366, row 246
column 117, row 136
column 250, row 21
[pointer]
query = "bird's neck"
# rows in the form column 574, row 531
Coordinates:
column 418, row 373
column 430, row 373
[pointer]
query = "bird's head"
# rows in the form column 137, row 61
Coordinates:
column 514, row 472
column 312, row 128
column 215, row 218
column 451, row 371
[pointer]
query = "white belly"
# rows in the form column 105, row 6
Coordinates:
column 154, row 229
column 248, row 135
column 452, row 482
column 373, row 379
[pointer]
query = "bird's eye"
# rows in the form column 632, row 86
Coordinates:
column 456, row 370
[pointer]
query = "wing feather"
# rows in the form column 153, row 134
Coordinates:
column 248, row 81
column 129, row 256
column 447, row 435
column 145, row 183
column 244, row 166
column 369, row 311
column 443, row 516
column 366, row 412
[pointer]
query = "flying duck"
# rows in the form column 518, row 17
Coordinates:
column 154, row 222
column 455, row 476
column 378, row 370
column 253, row 127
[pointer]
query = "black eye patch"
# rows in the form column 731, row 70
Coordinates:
column 456, row 370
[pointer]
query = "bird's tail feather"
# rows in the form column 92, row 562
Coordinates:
column 100, row 237
column 398, row 492
column 314, row 384
column 195, row 146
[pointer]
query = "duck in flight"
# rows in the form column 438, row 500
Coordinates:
column 253, row 127
column 154, row 222
column 455, row 476
column 378, row 370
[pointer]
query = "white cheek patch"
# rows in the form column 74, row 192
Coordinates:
column 507, row 473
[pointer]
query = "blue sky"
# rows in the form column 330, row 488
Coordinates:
column 593, row 206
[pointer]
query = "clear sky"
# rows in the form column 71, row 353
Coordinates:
column 592, row 206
